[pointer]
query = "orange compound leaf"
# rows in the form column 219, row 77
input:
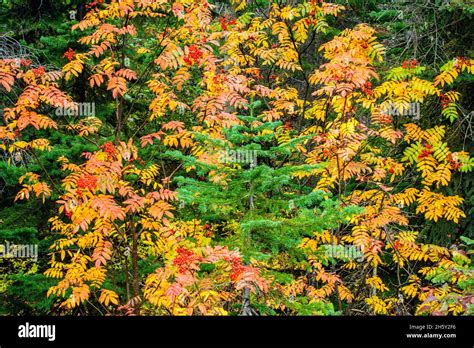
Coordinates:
column 102, row 253
column 161, row 209
column 118, row 86
column 148, row 139
column 7, row 79
column 96, row 79
column 127, row 73
column 174, row 125
column 108, row 297
column 107, row 207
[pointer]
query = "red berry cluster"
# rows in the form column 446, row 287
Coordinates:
column 39, row 71
column 409, row 64
column 184, row 259
column 237, row 267
column 109, row 149
column 94, row 3
column 195, row 54
column 428, row 150
column 367, row 88
column 87, row 181
column 69, row 54
column 454, row 165
column 396, row 245
column 444, row 100
column 225, row 22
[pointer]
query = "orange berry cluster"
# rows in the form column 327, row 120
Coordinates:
column 195, row 54
column 109, row 149
column 69, row 54
column 87, row 181
column 409, row 64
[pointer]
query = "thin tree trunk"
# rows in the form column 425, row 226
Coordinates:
column 135, row 274
column 119, row 119
column 127, row 278
column 246, row 306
